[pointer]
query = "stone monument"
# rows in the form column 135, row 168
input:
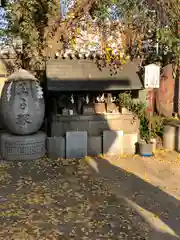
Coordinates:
column 22, row 111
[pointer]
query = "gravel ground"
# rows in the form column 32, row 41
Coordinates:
column 67, row 199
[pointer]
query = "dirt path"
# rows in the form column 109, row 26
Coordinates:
column 68, row 200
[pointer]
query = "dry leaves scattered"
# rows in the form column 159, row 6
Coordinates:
column 62, row 199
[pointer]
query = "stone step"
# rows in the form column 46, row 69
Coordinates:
column 76, row 144
column 56, row 147
column 79, row 145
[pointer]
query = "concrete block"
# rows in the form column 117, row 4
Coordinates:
column 171, row 137
column 76, row 144
column 93, row 124
column 94, row 145
column 56, row 147
column 112, row 142
column 129, row 143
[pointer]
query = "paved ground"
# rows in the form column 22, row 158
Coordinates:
column 111, row 198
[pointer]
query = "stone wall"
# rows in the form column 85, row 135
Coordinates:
column 93, row 124
column 80, row 136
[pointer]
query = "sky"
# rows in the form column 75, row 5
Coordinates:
column 65, row 6
column 3, row 25
column 2, row 18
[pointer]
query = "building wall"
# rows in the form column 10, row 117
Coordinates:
column 167, row 96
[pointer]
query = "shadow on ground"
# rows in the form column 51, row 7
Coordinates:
column 65, row 199
column 164, row 211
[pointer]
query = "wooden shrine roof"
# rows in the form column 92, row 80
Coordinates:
column 84, row 75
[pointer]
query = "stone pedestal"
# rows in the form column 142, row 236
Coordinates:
column 94, row 145
column 129, row 143
column 56, row 147
column 17, row 148
column 76, row 144
column 112, row 142
column 93, row 124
